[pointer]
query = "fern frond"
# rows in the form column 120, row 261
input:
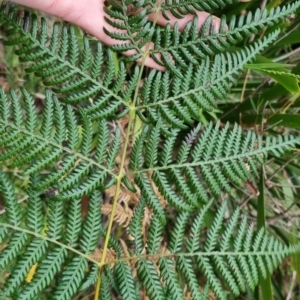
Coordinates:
column 45, row 273
column 92, row 225
column 56, row 219
column 73, row 225
column 135, row 226
column 3, row 234
column 43, row 146
column 193, row 43
column 13, row 214
column 56, row 175
column 103, row 141
column 4, row 107
column 50, row 266
column 34, row 251
column 151, row 199
column 180, row 8
column 233, row 269
column 63, row 64
column 150, row 279
column 174, row 289
column 71, row 279
column 105, row 292
column 185, row 266
column 178, row 232
column 228, row 258
column 67, row 151
column 198, row 87
column 111, row 279
column 177, row 108
column 16, row 244
column 91, row 278
column 125, row 281
column 154, row 235
column 206, row 166
column 114, row 150
column 35, row 208
column 139, row 30
column 177, row 49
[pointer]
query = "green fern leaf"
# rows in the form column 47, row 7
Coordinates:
column 136, row 225
column 150, row 279
column 92, row 225
column 125, row 281
column 181, row 7
column 191, row 43
column 92, row 278
column 73, row 226
column 13, row 214
column 71, row 279
column 150, row 197
column 168, row 274
column 35, row 208
column 45, row 273
column 3, row 234
column 235, row 266
column 16, row 243
column 185, row 265
column 196, row 91
column 211, row 149
column 56, row 218
column 105, row 292
column 178, row 232
column 35, row 250
column 154, row 235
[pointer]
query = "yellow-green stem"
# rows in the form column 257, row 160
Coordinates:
column 121, row 174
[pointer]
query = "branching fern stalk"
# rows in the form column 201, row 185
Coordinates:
column 70, row 151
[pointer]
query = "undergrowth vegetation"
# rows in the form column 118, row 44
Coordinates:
column 118, row 181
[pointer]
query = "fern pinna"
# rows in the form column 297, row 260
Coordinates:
column 110, row 130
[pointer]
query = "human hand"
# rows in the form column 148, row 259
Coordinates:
column 90, row 17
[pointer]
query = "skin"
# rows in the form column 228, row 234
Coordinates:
column 90, row 17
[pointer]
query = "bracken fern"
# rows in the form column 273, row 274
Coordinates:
column 181, row 171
